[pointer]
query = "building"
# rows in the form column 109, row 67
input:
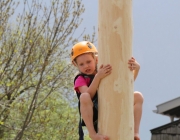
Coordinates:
column 170, row 131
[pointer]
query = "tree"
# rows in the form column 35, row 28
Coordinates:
column 54, row 119
column 33, row 62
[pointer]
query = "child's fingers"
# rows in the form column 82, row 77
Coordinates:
column 107, row 70
column 106, row 138
column 133, row 58
column 107, row 66
column 132, row 66
column 130, row 69
column 101, row 66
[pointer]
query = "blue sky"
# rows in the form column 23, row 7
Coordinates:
column 156, row 46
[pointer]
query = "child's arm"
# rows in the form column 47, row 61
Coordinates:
column 102, row 72
column 134, row 66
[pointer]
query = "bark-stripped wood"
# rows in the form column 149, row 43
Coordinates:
column 116, row 90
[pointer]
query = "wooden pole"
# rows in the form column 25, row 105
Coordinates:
column 116, row 90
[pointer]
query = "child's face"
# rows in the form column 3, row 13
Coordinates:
column 86, row 63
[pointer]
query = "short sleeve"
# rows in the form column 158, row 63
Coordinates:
column 81, row 81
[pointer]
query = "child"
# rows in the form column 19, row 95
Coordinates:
column 84, row 57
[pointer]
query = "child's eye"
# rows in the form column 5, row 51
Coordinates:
column 88, row 62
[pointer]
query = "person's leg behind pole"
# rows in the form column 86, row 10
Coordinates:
column 138, row 102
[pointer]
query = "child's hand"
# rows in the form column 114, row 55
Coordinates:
column 133, row 64
column 104, row 70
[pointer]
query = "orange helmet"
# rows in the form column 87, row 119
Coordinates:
column 81, row 48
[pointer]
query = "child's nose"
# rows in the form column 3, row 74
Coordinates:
column 86, row 65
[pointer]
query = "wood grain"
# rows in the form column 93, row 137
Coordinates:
column 116, row 90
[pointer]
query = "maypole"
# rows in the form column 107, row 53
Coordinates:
column 116, row 90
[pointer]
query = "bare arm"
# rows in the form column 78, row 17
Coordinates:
column 134, row 66
column 102, row 72
column 136, row 71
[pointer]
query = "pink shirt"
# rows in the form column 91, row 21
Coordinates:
column 81, row 81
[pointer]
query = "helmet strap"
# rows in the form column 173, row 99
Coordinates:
column 74, row 63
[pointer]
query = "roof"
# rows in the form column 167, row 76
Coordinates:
column 170, row 108
column 170, row 131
